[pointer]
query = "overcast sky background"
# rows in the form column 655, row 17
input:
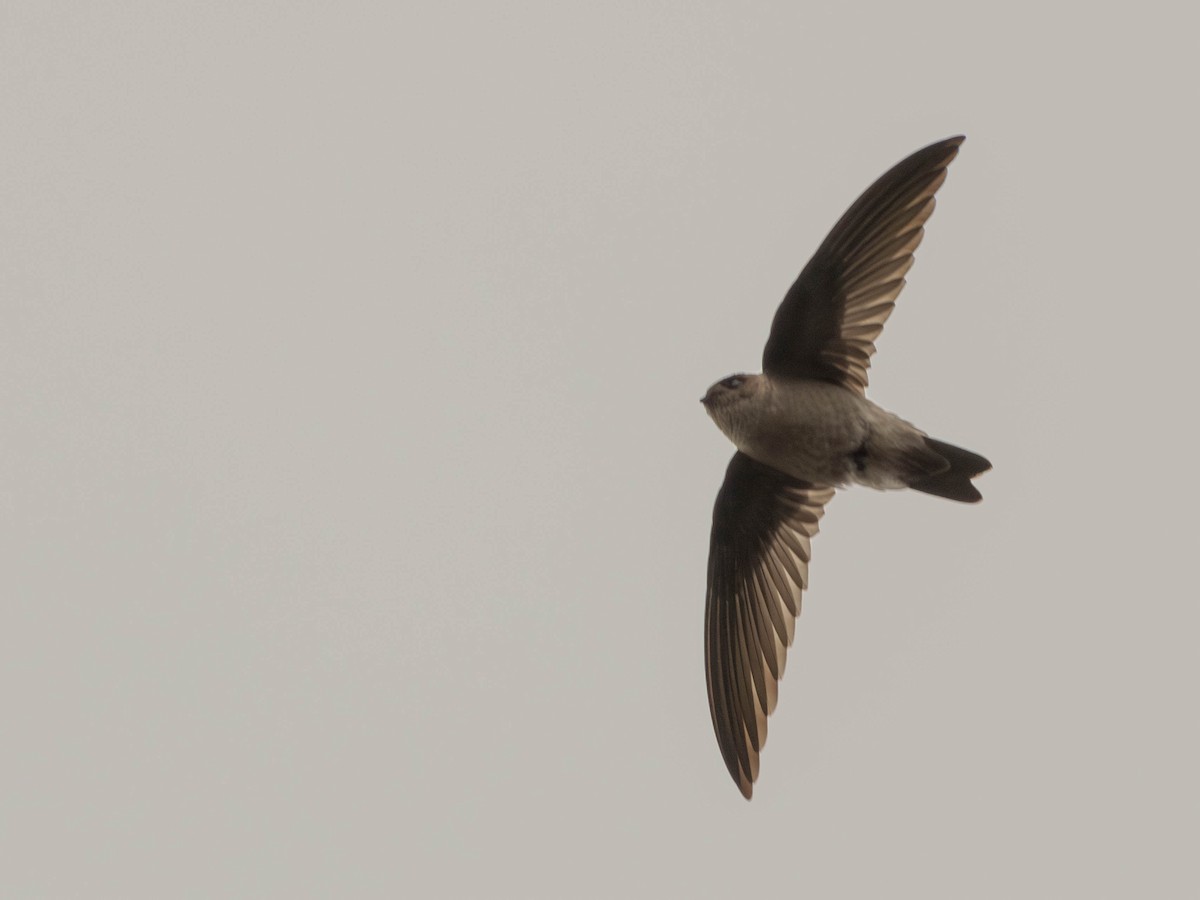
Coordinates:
column 356, row 493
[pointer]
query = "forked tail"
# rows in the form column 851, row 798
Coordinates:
column 955, row 482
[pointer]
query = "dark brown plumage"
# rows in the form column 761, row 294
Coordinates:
column 802, row 428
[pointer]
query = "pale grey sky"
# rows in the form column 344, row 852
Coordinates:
column 357, row 493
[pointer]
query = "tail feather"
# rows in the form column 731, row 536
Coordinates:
column 953, row 483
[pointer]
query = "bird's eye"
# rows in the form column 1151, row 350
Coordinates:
column 733, row 382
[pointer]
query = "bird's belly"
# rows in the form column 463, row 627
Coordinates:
column 812, row 436
column 815, row 458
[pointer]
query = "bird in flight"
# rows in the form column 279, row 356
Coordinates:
column 803, row 428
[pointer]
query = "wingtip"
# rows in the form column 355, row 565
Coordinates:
column 949, row 145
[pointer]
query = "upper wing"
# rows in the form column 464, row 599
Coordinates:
column 758, row 557
column 826, row 327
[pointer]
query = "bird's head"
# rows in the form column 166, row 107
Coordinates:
column 731, row 400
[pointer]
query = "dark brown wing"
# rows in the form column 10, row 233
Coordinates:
column 763, row 524
column 826, row 327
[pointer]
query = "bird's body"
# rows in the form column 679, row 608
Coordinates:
column 824, row 434
column 803, row 428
